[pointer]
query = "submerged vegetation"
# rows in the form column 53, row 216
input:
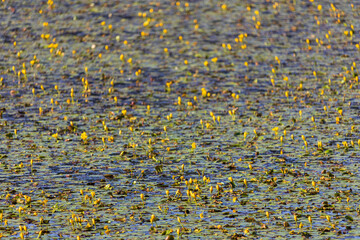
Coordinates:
column 179, row 120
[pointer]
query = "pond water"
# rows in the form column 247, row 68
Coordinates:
column 192, row 120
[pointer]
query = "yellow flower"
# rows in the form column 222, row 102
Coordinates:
column 276, row 129
column 84, row 136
